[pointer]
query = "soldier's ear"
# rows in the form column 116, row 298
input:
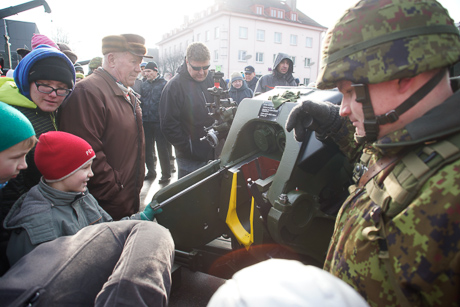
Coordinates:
column 405, row 84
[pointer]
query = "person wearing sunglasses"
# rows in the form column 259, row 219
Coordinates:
column 183, row 111
column 42, row 81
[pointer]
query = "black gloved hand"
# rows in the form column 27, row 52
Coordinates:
column 320, row 116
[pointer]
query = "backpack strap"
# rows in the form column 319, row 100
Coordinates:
column 400, row 187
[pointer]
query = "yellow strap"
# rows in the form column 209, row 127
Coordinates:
column 233, row 221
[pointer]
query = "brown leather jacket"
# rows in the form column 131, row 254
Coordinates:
column 98, row 112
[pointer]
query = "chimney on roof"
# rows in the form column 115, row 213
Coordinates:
column 292, row 4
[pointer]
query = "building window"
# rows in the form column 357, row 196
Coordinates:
column 243, row 32
column 216, row 55
column 280, row 14
column 207, row 36
column 259, row 10
column 242, row 55
column 259, row 57
column 293, row 60
column 306, row 81
column 273, row 13
column 307, row 62
column 293, row 40
column 278, row 37
column 309, row 42
column 293, row 16
column 198, row 37
column 261, row 35
column 216, row 32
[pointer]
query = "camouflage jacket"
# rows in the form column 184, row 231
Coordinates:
column 422, row 237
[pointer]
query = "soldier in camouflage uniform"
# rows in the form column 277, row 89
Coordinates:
column 397, row 236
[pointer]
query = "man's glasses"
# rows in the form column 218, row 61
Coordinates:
column 46, row 89
column 198, row 68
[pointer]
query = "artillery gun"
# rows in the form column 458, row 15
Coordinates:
column 268, row 196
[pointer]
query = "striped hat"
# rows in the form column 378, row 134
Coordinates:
column 40, row 39
column 132, row 43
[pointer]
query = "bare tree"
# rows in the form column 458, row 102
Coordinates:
column 171, row 62
column 59, row 35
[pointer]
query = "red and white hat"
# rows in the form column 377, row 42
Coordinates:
column 60, row 154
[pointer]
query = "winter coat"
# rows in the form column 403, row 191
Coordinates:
column 44, row 214
column 150, row 99
column 253, row 83
column 269, row 81
column 238, row 94
column 183, row 114
column 422, row 238
column 99, row 112
column 42, row 122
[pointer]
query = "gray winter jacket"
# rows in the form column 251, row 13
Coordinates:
column 44, row 214
column 269, row 81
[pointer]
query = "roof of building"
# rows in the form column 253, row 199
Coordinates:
column 244, row 7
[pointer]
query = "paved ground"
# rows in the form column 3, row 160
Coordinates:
column 195, row 288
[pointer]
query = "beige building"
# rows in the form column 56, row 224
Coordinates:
column 250, row 32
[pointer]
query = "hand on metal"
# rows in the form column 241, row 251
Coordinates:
column 319, row 116
column 149, row 214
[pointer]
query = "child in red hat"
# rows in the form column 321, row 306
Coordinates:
column 60, row 205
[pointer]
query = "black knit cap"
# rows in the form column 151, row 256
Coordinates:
column 52, row 68
column 152, row 65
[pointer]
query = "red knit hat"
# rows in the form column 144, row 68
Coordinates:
column 59, row 154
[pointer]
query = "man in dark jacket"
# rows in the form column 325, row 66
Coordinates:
column 281, row 74
column 183, row 111
column 104, row 111
column 250, row 77
column 150, row 103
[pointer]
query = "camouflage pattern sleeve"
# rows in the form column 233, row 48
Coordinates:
column 423, row 243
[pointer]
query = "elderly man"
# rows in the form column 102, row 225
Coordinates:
column 250, row 77
column 281, row 74
column 104, row 111
column 183, row 112
column 396, row 239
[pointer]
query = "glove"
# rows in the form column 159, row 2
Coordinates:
column 320, row 116
column 149, row 214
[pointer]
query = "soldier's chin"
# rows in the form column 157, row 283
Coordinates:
column 360, row 139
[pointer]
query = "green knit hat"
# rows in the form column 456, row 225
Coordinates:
column 14, row 127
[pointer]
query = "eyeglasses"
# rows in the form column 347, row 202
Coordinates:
column 46, row 89
column 198, row 68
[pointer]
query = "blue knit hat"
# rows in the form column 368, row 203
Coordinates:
column 14, row 127
column 23, row 70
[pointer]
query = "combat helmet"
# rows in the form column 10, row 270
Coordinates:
column 381, row 40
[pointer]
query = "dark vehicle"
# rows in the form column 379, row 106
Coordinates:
column 268, row 195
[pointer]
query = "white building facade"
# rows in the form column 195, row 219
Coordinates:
column 240, row 33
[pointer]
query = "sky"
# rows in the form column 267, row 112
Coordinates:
column 87, row 21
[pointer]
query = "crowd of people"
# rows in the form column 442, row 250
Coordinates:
column 75, row 148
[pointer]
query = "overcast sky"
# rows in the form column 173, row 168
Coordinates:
column 87, row 21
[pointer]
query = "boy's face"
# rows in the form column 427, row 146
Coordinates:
column 77, row 182
column 13, row 160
